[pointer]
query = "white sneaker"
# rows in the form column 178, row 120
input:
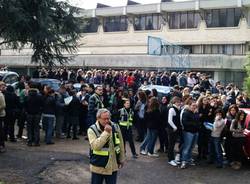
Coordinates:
column 183, row 165
column 178, row 158
column 153, row 155
column 173, row 163
column 143, row 152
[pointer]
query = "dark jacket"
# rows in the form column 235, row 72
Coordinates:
column 190, row 121
column 164, row 115
column 49, row 105
column 74, row 107
column 33, row 102
column 12, row 103
column 153, row 119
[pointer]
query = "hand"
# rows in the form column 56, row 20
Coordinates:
column 121, row 165
column 174, row 129
column 108, row 128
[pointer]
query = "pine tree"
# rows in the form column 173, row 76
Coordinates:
column 247, row 79
column 49, row 27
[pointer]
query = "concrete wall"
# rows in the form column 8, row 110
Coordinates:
column 200, row 62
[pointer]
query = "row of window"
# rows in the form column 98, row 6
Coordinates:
column 176, row 20
column 183, row 20
column 227, row 49
column 223, row 17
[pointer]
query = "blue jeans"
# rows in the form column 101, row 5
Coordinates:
column 48, row 123
column 149, row 141
column 215, row 150
column 99, row 178
column 190, row 139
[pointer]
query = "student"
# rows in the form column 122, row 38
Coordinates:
column 238, row 139
column 215, row 150
column 126, row 117
column 191, row 126
column 153, row 122
column 174, row 128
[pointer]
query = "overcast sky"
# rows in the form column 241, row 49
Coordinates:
column 91, row 4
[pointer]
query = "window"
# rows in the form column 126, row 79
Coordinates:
column 137, row 25
column 189, row 48
column 215, row 18
column 114, row 24
column 147, row 22
column 10, row 79
column 143, row 22
column 196, row 49
column 230, row 17
column 197, row 19
column 91, row 25
column 229, row 49
column 237, row 16
column 183, row 20
column 238, row 50
column 223, row 17
column 156, row 22
column 215, row 49
column 190, row 18
column 207, row 49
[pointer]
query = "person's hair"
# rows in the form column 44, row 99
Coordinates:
column 220, row 111
column 91, row 86
column 153, row 104
column 124, row 100
column 51, row 91
column 72, row 92
column 175, row 99
column 142, row 96
column 83, row 86
column 234, row 106
column 10, row 89
column 98, row 86
column 102, row 111
column 155, row 92
column 200, row 101
column 237, row 119
column 188, row 101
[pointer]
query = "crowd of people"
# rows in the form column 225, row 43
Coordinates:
column 197, row 110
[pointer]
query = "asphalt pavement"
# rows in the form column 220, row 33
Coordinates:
column 66, row 162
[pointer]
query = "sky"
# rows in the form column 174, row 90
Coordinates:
column 91, row 4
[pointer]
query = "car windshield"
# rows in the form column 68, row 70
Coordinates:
column 54, row 85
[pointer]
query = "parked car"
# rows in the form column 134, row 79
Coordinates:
column 162, row 90
column 247, row 133
column 10, row 78
column 53, row 83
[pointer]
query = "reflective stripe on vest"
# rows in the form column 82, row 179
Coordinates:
column 117, row 139
column 101, row 157
column 125, row 123
column 129, row 118
column 102, row 152
column 117, row 149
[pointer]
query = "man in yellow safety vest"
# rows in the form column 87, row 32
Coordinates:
column 126, row 116
column 106, row 149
